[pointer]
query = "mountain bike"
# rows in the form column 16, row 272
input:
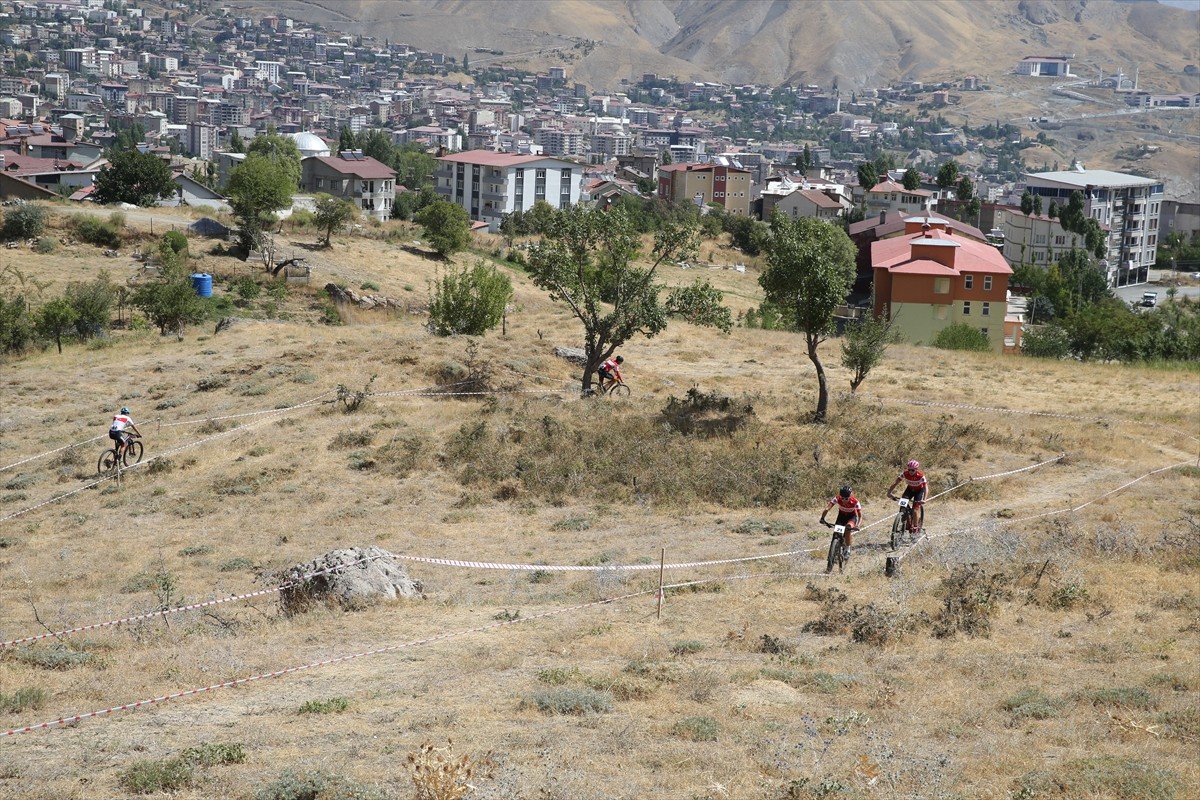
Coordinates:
column 909, row 522
column 131, row 455
column 839, row 552
column 618, row 389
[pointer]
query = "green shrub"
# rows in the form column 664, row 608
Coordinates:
column 1045, row 341
column 469, row 302
column 571, row 701
column 56, row 657
column 1030, row 703
column 1100, row 776
column 91, row 229
column 686, row 647
column 212, row 382
column 196, row 550
column 317, row 785
column 1133, row 697
column 246, row 287
column 369, row 286
column 24, row 221
column 236, row 564
column 152, row 776
column 212, row 754
column 334, row 705
column 572, row 524
column 696, row 729
column 176, row 241
column 347, row 439
column 24, row 699
column 558, row 676
column 961, row 336
column 45, row 245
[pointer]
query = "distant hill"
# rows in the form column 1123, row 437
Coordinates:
column 858, row 42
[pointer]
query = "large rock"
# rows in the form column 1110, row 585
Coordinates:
column 357, row 577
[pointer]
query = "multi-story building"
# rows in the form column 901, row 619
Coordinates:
column 931, row 278
column 364, row 181
column 557, row 142
column 892, row 196
column 1126, row 206
column 201, row 138
column 1033, row 239
column 706, row 184
column 489, row 185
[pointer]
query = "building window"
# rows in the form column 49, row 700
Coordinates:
column 941, row 286
column 987, row 283
column 941, row 312
column 987, row 310
column 1060, row 240
column 967, row 308
column 968, row 281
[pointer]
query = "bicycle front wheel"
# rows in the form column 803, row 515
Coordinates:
column 107, row 462
column 620, row 390
column 833, row 553
column 897, row 530
column 843, row 555
column 133, row 453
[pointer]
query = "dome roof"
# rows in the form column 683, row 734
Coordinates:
column 309, row 144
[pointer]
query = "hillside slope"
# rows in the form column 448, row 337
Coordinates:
column 858, row 42
column 1014, row 622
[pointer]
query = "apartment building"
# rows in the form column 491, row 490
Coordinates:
column 706, row 184
column 364, row 181
column 489, row 185
column 1127, row 206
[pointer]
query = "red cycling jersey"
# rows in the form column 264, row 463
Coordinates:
column 611, row 367
column 915, row 479
column 846, row 505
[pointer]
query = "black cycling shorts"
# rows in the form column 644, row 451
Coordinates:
column 916, row 495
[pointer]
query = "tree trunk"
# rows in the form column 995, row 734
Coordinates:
column 819, row 416
column 58, row 341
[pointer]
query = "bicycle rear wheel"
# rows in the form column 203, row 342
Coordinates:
column 107, row 462
column 843, row 555
column 133, row 453
column 620, row 390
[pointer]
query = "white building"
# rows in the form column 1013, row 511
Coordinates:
column 1127, row 206
column 489, row 185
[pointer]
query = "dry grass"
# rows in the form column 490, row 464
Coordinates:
column 1098, row 617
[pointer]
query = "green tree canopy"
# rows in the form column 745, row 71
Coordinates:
column 332, row 214
column 810, row 269
column 469, row 301
column 589, row 259
column 257, row 189
column 912, row 179
column 132, row 177
column 865, row 343
column 868, row 176
column 280, row 150
column 55, row 319
column 447, row 226
column 961, row 336
column 947, row 175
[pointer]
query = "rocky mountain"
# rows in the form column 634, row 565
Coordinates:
column 858, row 42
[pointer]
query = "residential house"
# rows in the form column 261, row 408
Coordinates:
column 706, row 184
column 490, row 185
column 931, row 277
column 1127, row 206
column 889, row 195
column 366, row 182
column 1033, row 239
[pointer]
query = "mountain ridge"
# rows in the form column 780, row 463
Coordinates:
column 858, row 42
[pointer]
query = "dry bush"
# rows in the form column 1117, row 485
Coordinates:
column 705, row 414
column 437, row 774
column 970, row 599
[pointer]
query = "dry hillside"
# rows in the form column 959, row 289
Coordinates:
column 859, row 42
column 1022, row 651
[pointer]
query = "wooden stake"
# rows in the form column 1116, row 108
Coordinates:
column 662, row 562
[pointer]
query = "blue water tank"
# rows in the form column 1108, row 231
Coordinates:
column 202, row 283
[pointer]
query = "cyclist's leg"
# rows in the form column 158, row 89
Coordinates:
column 919, row 510
column 848, row 520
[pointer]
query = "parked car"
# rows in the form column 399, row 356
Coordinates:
column 1149, row 299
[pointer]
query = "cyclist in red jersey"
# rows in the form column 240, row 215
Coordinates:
column 610, row 371
column 914, row 491
column 849, row 512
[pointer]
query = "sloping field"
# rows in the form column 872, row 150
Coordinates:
column 1025, row 648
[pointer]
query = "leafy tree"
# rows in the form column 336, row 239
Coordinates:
column 469, row 301
column 170, row 303
column 804, row 161
column 868, row 176
column 810, row 269
column 1045, row 341
column 540, row 216
column 24, row 221
column 961, row 336
column 92, row 303
column 700, row 304
column 333, row 213
column 130, row 137
column 281, row 151
column 236, row 145
column 132, row 177
column 345, row 139
column 964, row 190
column 378, row 145
column 466, row 67
column 912, row 179
column 947, row 175
column 746, row 233
column 407, row 204
column 665, row 158
column 258, row 187
column 587, row 259
column 414, row 167
column 864, row 346
column 447, row 227
column 16, row 324
column 55, row 319
column 1026, row 203
column 1037, row 205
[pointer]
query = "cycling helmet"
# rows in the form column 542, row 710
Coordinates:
column 914, row 464
column 620, row 360
column 124, row 410
column 845, row 492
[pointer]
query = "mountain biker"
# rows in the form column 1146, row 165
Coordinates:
column 121, row 423
column 610, row 371
column 849, row 512
column 914, row 491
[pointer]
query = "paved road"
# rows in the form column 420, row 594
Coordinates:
column 1187, row 288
